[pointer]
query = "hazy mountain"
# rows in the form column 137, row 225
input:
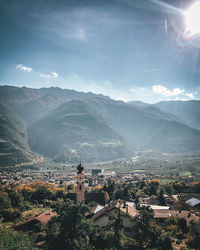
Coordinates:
column 15, row 95
column 67, row 125
column 31, row 104
column 149, row 127
column 153, row 109
column 100, row 129
column 35, row 109
column 13, row 139
column 139, row 103
column 75, row 131
column 187, row 111
column 68, row 95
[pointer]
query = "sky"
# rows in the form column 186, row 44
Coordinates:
column 126, row 49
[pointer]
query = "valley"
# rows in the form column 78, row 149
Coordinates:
column 67, row 126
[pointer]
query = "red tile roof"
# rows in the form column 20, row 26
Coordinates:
column 43, row 218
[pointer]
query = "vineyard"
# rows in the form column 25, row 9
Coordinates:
column 187, row 196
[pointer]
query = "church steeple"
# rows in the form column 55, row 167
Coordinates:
column 80, row 189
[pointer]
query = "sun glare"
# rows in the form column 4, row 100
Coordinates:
column 192, row 17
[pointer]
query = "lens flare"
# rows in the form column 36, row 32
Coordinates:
column 192, row 18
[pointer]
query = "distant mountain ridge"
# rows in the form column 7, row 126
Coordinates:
column 74, row 130
column 187, row 112
column 14, row 148
column 67, row 125
column 31, row 104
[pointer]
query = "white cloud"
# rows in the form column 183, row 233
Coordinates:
column 179, row 94
column 53, row 74
column 22, row 67
column 190, row 95
column 181, row 98
column 159, row 89
column 108, row 88
column 121, row 99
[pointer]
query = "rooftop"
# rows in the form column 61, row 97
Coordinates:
column 193, row 202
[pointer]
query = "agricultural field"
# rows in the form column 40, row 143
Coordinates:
column 187, row 196
column 167, row 165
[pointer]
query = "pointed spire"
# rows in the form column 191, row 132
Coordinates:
column 80, row 168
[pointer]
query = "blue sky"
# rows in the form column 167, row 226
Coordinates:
column 119, row 48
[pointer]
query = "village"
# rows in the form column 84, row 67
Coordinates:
column 105, row 192
column 64, row 176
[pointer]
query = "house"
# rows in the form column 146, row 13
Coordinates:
column 193, row 202
column 35, row 222
column 144, row 201
column 164, row 214
column 93, row 211
column 101, row 218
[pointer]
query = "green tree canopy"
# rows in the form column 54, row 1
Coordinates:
column 70, row 229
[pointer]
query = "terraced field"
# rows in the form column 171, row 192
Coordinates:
column 187, row 196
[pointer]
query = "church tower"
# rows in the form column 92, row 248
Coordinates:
column 80, row 190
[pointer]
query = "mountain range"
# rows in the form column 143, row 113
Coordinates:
column 68, row 126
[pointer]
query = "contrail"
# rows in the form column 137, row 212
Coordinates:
column 166, row 29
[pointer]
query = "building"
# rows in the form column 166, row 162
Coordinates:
column 164, row 214
column 80, row 188
column 34, row 223
column 96, row 171
column 194, row 202
column 102, row 217
column 81, row 195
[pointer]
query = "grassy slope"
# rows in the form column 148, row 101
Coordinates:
column 13, row 139
column 72, row 131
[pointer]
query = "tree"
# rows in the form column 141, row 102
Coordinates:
column 194, row 235
column 153, row 187
column 10, row 214
column 169, row 189
column 110, row 188
column 112, row 236
column 147, row 233
column 161, row 198
column 70, row 188
column 141, row 227
column 41, row 193
column 4, row 201
column 70, row 229
column 164, row 243
column 182, row 223
column 10, row 239
column 16, row 198
column 117, row 226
